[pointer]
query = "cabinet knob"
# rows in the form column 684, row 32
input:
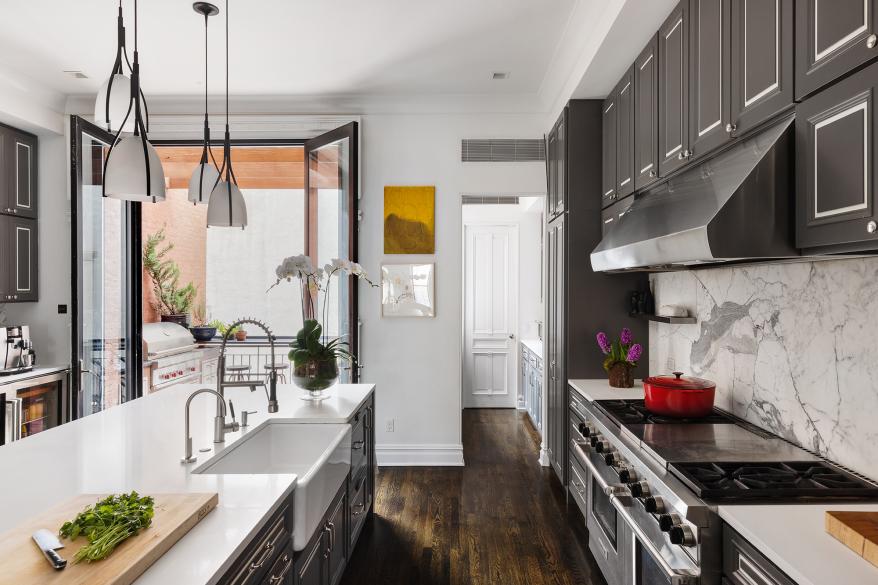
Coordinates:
column 872, row 227
column 680, row 156
column 871, row 41
column 653, row 174
column 731, row 128
column 14, row 211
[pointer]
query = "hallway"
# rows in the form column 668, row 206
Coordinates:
column 501, row 519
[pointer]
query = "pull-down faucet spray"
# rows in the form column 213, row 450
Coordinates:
column 222, row 384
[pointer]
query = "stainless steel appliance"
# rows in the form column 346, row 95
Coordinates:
column 34, row 403
column 648, row 486
column 18, row 350
column 171, row 355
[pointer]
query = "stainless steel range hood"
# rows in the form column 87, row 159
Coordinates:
column 735, row 207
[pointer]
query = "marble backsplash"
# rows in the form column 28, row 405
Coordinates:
column 793, row 348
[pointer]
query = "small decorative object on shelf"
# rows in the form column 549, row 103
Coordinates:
column 622, row 356
column 241, row 334
column 315, row 357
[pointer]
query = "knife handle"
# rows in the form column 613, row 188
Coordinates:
column 56, row 560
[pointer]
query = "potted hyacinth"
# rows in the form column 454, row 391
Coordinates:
column 315, row 359
column 622, row 356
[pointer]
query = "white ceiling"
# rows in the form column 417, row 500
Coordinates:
column 296, row 47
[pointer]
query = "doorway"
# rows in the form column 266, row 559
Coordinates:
column 502, row 295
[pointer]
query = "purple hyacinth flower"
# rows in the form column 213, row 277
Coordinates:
column 626, row 336
column 634, row 353
column 603, row 342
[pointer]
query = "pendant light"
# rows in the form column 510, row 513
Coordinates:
column 114, row 96
column 226, row 207
column 132, row 169
column 205, row 175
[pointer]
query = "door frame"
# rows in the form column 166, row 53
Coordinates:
column 514, row 352
column 133, row 284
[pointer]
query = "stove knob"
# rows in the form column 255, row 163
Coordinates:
column 627, row 475
column 602, row 446
column 682, row 535
column 654, row 505
column 594, row 439
column 611, row 458
column 639, row 489
column 668, row 521
column 584, row 430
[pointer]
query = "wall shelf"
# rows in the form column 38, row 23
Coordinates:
column 661, row 319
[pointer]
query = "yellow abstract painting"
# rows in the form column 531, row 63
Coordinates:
column 409, row 220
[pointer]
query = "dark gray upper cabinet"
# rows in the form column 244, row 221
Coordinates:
column 710, row 107
column 18, row 157
column 646, row 115
column 836, row 160
column 610, row 135
column 762, row 61
column 673, row 128
column 625, row 140
column 832, row 39
column 19, row 268
column 561, row 164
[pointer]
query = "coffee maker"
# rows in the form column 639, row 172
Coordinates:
column 16, row 350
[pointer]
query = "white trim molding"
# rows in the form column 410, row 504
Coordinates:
column 429, row 454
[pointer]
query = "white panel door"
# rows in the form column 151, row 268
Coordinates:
column 490, row 316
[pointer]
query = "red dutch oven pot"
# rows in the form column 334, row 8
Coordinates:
column 679, row 396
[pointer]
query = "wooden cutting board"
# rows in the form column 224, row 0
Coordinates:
column 856, row 530
column 23, row 563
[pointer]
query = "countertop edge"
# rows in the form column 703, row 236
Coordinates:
column 600, row 389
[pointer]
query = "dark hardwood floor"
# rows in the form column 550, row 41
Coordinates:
column 501, row 519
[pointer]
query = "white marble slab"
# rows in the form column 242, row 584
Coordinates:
column 534, row 345
column 793, row 537
column 600, row 389
column 793, row 348
column 138, row 446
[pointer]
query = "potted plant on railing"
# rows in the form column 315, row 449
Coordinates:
column 315, row 358
column 202, row 330
column 172, row 302
column 622, row 356
column 237, row 331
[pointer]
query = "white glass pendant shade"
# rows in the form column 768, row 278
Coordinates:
column 201, row 183
column 218, row 207
column 125, row 176
column 120, row 100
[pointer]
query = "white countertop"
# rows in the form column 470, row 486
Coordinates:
column 35, row 373
column 138, row 446
column 535, row 345
column 793, row 537
column 600, row 389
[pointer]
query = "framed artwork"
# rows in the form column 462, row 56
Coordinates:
column 408, row 290
column 409, row 220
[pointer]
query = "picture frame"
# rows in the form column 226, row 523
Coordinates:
column 408, row 290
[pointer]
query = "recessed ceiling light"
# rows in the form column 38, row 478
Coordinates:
column 76, row 74
column 496, row 75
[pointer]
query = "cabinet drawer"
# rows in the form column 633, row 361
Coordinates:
column 270, row 545
column 281, row 572
column 359, row 505
column 578, row 483
column 359, row 456
column 744, row 565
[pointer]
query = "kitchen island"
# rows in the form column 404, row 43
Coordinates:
column 138, row 446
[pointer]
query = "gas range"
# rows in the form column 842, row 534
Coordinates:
column 664, row 478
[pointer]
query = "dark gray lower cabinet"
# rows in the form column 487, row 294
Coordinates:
column 744, row 565
column 836, row 161
column 270, row 559
column 833, row 39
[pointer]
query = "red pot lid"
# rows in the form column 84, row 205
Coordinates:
column 680, row 382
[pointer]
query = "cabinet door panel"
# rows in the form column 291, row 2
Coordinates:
column 22, row 150
column 24, row 270
column 338, row 541
column 832, row 39
column 836, row 161
column 561, row 165
column 673, row 40
column 312, row 570
column 610, row 135
column 6, row 258
column 646, row 116
column 762, row 61
column 710, row 71
column 625, row 139
column 559, row 420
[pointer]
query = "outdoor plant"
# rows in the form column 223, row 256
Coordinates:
column 313, row 356
column 170, row 297
column 622, row 356
column 223, row 328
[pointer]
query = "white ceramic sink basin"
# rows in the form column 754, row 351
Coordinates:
column 319, row 454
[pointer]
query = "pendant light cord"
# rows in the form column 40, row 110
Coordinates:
column 227, row 63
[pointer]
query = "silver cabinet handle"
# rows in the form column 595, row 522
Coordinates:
column 871, row 41
column 288, row 563
column 872, row 227
column 653, row 174
column 266, row 554
column 681, row 156
column 731, row 127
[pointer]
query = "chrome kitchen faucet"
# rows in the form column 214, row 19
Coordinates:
column 222, row 384
column 220, row 426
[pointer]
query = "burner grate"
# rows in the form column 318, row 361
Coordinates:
column 635, row 412
column 767, row 481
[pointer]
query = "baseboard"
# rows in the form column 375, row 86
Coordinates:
column 434, row 455
column 544, row 458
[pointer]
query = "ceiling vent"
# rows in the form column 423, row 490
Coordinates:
column 76, row 74
column 490, row 200
column 502, row 150
column 499, row 75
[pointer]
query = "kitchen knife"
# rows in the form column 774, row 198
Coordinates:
column 48, row 542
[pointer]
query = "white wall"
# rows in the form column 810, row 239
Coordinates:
column 49, row 330
column 416, row 363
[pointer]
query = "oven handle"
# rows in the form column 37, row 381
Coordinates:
column 607, row 488
column 677, row 577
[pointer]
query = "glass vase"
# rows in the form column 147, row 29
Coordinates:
column 314, row 376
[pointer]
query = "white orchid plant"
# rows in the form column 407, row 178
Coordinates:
column 308, row 345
